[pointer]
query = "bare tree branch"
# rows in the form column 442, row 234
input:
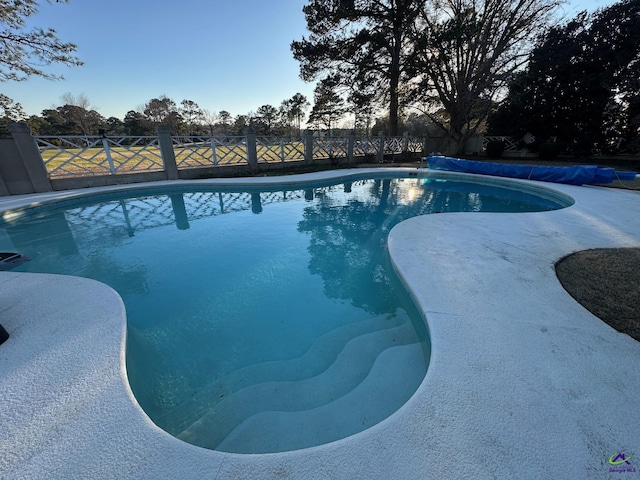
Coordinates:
column 26, row 53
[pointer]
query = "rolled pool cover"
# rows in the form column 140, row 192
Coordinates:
column 576, row 175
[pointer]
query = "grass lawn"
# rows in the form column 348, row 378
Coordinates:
column 94, row 161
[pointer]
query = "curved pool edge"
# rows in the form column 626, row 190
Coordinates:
column 13, row 207
column 467, row 417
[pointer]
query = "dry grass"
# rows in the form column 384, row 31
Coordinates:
column 93, row 161
column 607, row 283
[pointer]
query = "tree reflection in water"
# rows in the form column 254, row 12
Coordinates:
column 348, row 239
column 348, row 232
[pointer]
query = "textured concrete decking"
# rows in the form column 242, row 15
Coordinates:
column 523, row 381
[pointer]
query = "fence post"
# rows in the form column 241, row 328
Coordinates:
column 105, row 145
column 213, row 151
column 479, row 143
column 166, row 150
column 31, row 158
column 282, row 156
column 405, row 142
column 351, row 140
column 380, row 156
column 252, row 150
column 308, row 147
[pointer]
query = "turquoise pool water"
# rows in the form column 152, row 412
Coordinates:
column 260, row 320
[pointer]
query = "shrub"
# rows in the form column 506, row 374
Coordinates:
column 495, row 148
column 548, row 150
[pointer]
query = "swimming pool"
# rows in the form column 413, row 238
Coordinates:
column 257, row 262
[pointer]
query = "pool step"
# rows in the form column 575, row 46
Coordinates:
column 394, row 377
column 351, row 368
column 317, row 359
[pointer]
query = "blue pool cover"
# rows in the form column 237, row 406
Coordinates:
column 577, row 175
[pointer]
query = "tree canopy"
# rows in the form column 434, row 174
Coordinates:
column 293, row 110
column 267, row 115
column 328, row 106
column 447, row 55
column 72, row 120
column 359, row 44
column 464, row 53
column 24, row 53
column 76, row 116
column 191, row 113
column 581, row 86
column 10, row 110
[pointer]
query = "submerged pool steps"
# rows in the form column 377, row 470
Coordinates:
column 350, row 369
column 318, row 358
column 373, row 399
column 300, row 385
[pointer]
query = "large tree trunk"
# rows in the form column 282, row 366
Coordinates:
column 393, row 110
column 394, row 78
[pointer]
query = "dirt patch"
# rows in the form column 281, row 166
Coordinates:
column 607, row 283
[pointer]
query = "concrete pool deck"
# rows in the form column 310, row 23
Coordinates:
column 523, row 382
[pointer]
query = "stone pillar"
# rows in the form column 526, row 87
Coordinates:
column 351, row 140
column 380, row 156
column 252, row 150
column 308, row 146
column 4, row 190
column 474, row 145
column 166, row 150
column 31, row 158
column 405, row 142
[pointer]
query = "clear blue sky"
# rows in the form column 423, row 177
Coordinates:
column 224, row 55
